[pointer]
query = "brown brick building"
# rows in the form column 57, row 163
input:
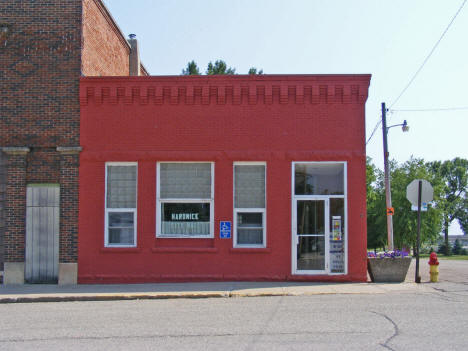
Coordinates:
column 45, row 46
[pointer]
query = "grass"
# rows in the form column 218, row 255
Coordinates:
column 451, row 257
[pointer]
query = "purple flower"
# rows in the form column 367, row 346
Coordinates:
column 387, row 254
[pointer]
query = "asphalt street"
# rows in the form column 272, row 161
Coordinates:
column 432, row 318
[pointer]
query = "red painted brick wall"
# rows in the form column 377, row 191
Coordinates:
column 221, row 119
column 105, row 50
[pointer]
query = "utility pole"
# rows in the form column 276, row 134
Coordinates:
column 388, row 195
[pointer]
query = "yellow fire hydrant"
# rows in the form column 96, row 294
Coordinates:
column 434, row 267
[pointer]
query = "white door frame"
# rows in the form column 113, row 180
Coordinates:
column 294, row 199
column 294, row 238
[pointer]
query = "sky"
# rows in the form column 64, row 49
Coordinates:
column 388, row 39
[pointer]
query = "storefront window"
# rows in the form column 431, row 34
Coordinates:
column 249, row 204
column 185, row 200
column 121, row 186
column 319, row 179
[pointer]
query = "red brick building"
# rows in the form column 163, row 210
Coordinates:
column 223, row 178
column 46, row 46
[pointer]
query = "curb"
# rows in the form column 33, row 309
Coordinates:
column 151, row 293
column 109, row 297
column 70, row 297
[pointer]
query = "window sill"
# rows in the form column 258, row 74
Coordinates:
column 169, row 236
column 184, row 250
column 250, row 250
column 120, row 250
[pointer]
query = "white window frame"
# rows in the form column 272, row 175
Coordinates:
column 160, row 201
column 249, row 210
column 133, row 210
column 295, row 197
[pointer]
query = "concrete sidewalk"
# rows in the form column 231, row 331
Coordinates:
column 55, row 293
column 451, row 271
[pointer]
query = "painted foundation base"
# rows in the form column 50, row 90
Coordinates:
column 13, row 273
column 68, row 274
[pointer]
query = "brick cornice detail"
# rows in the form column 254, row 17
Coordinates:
column 14, row 150
column 220, row 90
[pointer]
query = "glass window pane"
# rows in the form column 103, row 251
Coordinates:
column 121, row 236
column 249, row 236
column 121, row 186
column 250, row 228
column 248, row 219
column 319, row 179
column 121, row 228
column 185, row 180
column 337, row 235
column 311, row 253
column 310, row 217
column 191, row 219
column 120, row 219
column 249, row 185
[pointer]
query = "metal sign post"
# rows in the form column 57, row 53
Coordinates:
column 419, row 191
column 417, row 277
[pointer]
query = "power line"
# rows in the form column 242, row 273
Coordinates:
column 428, row 56
column 379, row 122
column 446, row 109
column 433, row 109
column 373, row 132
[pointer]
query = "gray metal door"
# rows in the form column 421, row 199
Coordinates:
column 42, row 233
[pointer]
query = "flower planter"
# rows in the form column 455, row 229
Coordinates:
column 388, row 270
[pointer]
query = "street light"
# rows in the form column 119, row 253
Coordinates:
column 388, row 196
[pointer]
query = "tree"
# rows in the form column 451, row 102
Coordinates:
column 192, row 69
column 454, row 188
column 253, row 70
column 376, row 221
column 219, row 67
column 404, row 220
column 457, row 248
column 442, row 249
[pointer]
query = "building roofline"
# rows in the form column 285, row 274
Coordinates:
column 108, row 16
column 220, row 89
column 235, row 78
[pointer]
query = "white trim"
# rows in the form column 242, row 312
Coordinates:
column 325, row 236
column 107, row 210
column 346, row 233
column 159, row 203
column 294, row 199
column 252, row 210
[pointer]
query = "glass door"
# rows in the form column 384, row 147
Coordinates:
column 311, row 236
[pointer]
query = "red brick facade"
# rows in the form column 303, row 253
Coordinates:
column 48, row 45
column 274, row 119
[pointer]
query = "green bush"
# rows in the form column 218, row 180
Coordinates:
column 442, row 249
column 457, row 248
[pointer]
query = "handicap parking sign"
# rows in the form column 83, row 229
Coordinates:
column 225, row 230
